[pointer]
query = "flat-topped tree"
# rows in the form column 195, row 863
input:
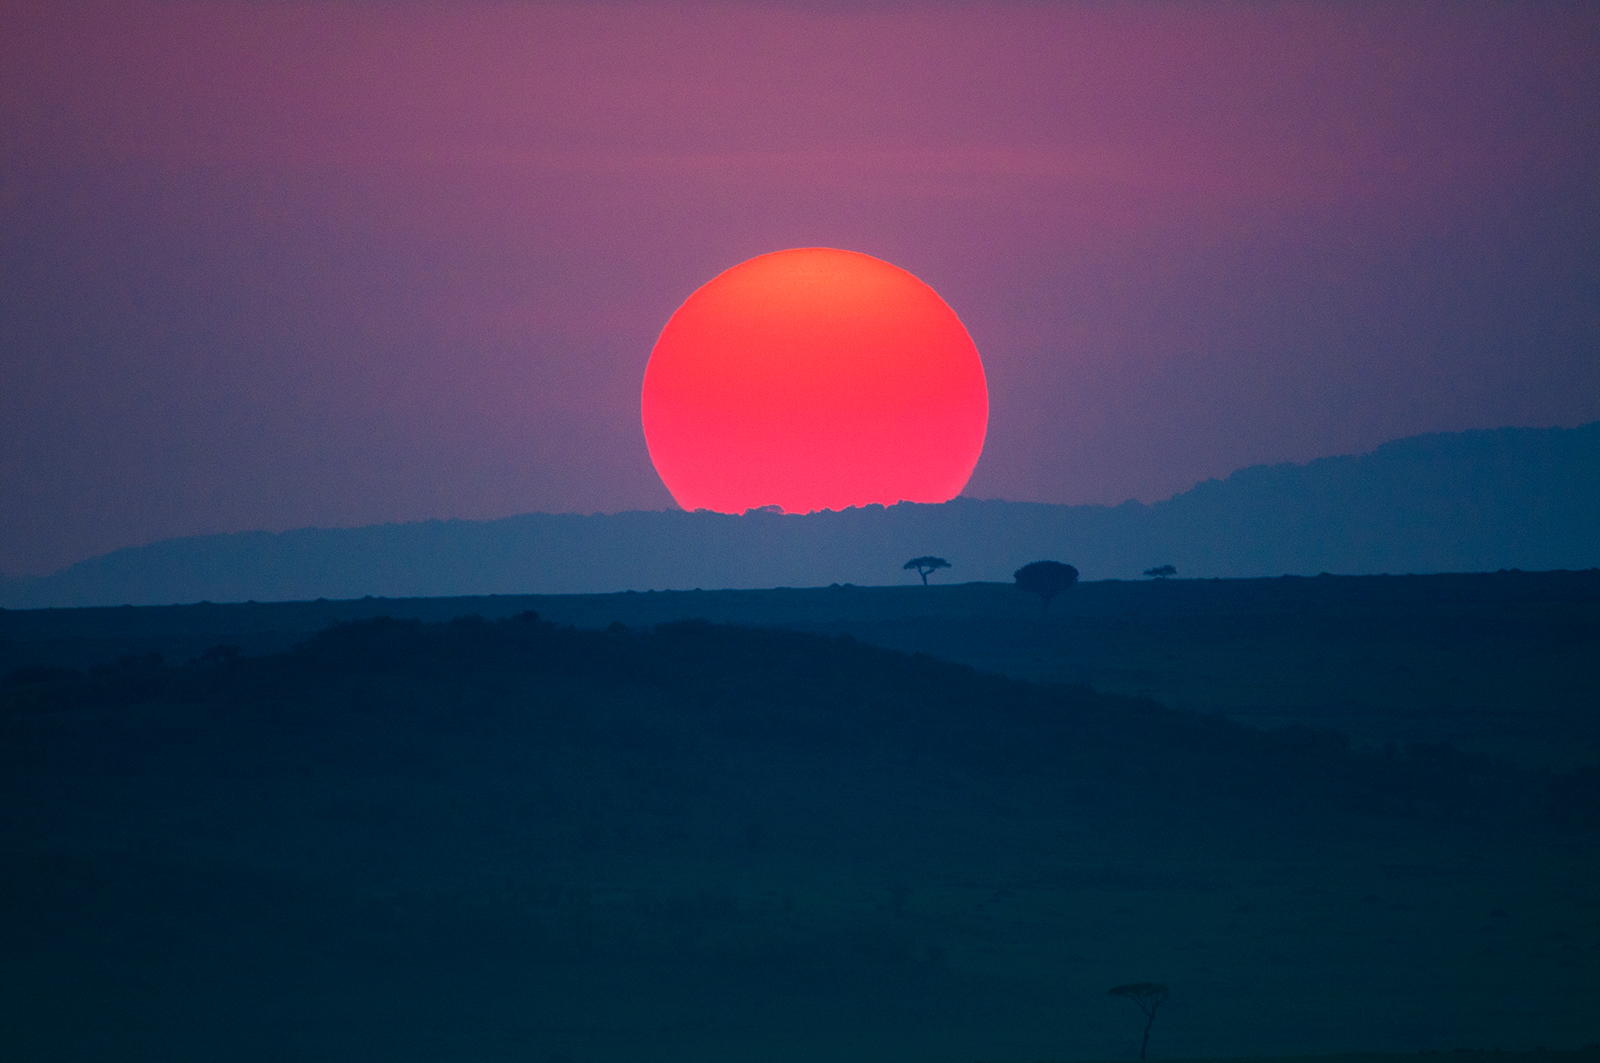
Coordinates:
column 1161, row 571
column 925, row 565
column 1148, row 996
column 1046, row 579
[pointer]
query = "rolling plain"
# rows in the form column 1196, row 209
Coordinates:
column 1338, row 814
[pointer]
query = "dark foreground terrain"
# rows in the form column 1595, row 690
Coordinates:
column 513, row 840
column 1506, row 664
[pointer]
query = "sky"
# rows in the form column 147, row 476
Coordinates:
column 273, row 265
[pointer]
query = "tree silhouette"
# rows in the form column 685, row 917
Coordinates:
column 925, row 565
column 1148, row 996
column 1161, row 571
column 1046, row 579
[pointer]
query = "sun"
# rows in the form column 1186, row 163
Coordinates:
column 814, row 379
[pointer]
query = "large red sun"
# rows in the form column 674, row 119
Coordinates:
column 814, row 379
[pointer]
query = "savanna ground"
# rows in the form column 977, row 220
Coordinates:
column 511, row 857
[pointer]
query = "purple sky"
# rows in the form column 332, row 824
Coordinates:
column 270, row 265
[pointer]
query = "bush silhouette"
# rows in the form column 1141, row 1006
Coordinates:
column 1161, row 571
column 1046, row 579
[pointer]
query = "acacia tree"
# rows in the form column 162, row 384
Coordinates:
column 1161, row 571
column 1046, row 579
column 1148, row 996
column 925, row 565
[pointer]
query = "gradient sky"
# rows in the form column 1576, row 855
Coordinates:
column 267, row 265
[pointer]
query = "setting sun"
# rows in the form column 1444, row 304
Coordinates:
column 814, row 379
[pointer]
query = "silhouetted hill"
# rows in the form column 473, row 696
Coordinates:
column 1472, row 501
column 1497, row 662
column 780, row 691
column 1459, row 502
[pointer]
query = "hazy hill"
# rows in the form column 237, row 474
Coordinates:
column 510, row 840
column 1472, row 501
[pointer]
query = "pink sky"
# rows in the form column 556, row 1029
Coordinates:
column 270, row 265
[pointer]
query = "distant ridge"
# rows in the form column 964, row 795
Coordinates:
column 1459, row 502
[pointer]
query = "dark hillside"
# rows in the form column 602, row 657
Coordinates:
column 512, row 840
column 1504, row 664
